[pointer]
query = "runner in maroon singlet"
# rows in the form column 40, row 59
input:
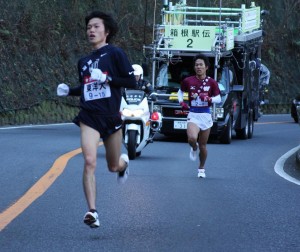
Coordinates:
column 202, row 92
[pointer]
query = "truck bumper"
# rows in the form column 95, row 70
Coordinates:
column 168, row 128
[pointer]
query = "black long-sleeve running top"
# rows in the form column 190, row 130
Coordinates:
column 103, row 98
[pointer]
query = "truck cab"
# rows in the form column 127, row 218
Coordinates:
column 232, row 41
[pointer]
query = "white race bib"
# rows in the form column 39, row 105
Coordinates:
column 95, row 90
column 198, row 103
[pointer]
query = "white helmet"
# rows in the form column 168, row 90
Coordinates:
column 138, row 70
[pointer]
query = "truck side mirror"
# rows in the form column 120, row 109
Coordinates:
column 152, row 97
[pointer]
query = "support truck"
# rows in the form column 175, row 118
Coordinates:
column 232, row 39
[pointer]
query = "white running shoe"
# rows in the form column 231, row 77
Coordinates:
column 201, row 173
column 123, row 175
column 91, row 219
column 193, row 154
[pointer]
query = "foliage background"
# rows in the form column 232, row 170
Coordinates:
column 41, row 41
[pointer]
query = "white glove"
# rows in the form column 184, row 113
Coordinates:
column 97, row 74
column 62, row 89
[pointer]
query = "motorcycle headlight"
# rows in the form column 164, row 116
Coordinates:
column 132, row 113
column 220, row 112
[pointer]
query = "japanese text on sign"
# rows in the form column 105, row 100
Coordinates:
column 190, row 37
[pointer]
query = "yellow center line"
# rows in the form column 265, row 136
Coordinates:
column 37, row 189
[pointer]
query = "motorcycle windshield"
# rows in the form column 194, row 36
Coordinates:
column 134, row 96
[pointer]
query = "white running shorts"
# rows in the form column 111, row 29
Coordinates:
column 202, row 120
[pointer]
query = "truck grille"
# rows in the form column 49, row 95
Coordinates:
column 174, row 112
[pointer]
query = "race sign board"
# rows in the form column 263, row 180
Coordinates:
column 229, row 38
column 251, row 19
column 183, row 37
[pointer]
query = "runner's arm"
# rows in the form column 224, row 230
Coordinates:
column 127, row 82
column 216, row 99
column 180, row 95
column 75, row 91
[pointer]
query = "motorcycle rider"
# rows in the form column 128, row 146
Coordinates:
column 140, row 82
column 134, row 100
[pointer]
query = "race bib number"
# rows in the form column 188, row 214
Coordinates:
column 95, row 90
column 198, row 103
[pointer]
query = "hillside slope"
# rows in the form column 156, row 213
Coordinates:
column 41, row 41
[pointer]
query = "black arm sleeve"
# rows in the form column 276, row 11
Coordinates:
column 124, row 76
column 127, row 82
column 75, row 91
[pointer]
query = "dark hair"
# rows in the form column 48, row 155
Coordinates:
column 203, row 57
column 110, row 24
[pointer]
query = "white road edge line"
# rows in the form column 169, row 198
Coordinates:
column 280, row 164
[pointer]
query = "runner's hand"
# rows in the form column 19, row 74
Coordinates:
column 202, row 96
column 62, row 89
column 184, row 106
column 207, row 99
column 97, row 74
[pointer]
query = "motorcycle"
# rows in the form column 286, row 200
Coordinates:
column 295, row 109
column 139, row 124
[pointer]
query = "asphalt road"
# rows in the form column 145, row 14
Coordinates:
column 242, row 205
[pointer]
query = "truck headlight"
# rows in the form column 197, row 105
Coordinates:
column 157, row 108
column 220, row 112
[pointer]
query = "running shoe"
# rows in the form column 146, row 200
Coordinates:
column 123, row 175
column 201, row 173
column 193, row 154
column 91, row 219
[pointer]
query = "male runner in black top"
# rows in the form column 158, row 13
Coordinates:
column 102, row 75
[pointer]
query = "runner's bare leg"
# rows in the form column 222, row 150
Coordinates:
column 203, row 138
column 89, row 144
column 192, row 134
column 113, row 146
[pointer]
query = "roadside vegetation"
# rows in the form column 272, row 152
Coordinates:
column 41, row 41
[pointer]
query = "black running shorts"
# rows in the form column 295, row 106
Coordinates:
column 104, row 124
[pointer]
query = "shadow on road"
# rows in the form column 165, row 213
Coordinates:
column 182, row 138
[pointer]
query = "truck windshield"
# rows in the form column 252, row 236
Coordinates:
column 171, row 76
